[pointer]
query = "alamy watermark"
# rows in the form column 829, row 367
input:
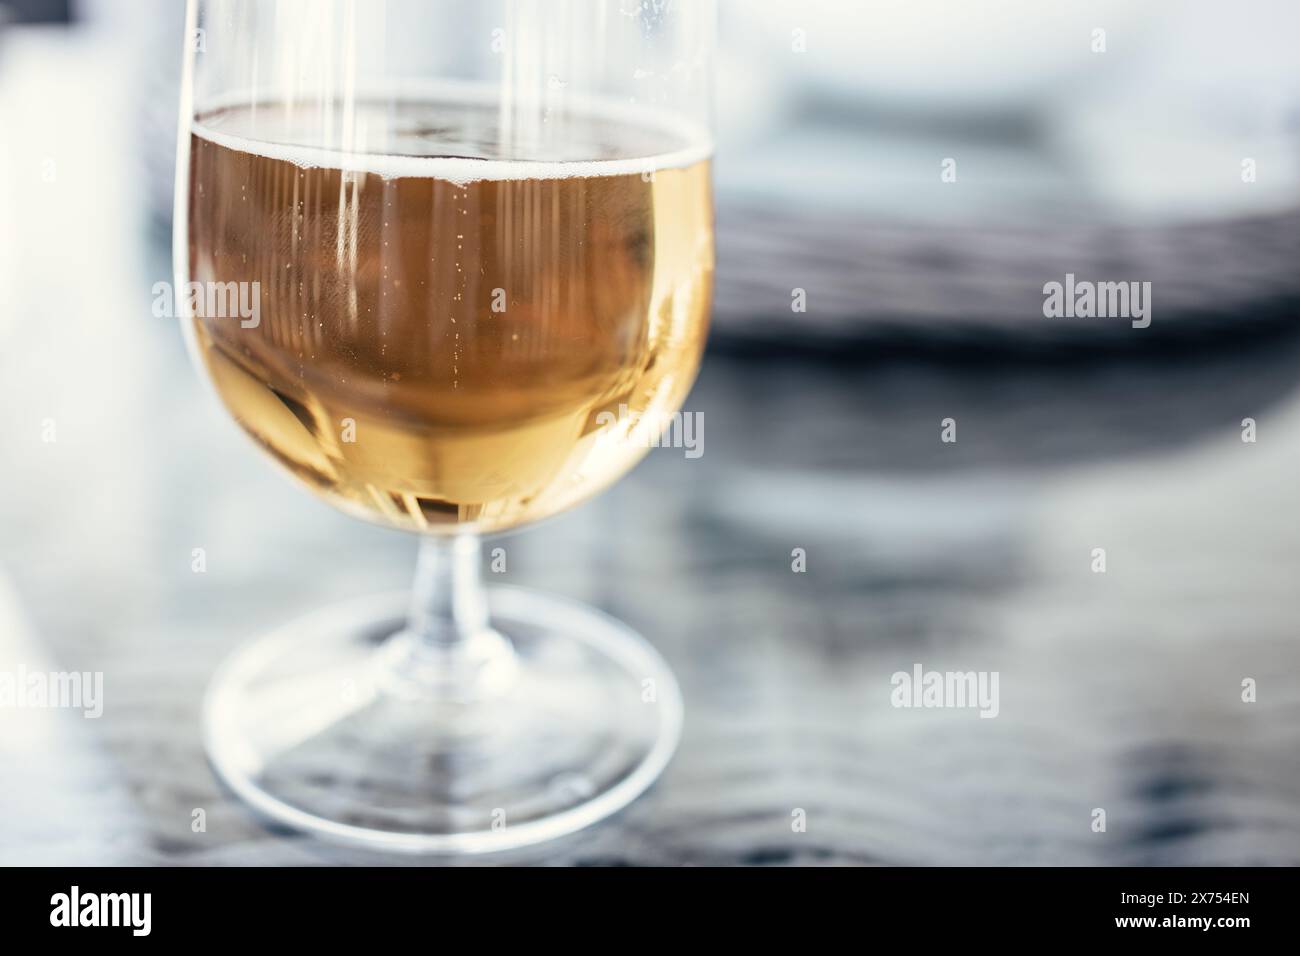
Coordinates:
column 940, row 689
column 1103, row 300
column 74, row 690
column 74, row 908
column 210, row 300
column 649, row 430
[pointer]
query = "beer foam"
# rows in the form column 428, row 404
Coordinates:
column 462, row 170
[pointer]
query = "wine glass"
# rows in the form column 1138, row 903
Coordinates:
column 449, row 262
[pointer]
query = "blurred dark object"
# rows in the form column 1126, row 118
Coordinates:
column 35, row 11
column 922, row 169
column 870, row 284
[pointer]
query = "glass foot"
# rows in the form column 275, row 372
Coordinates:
column 338, row 725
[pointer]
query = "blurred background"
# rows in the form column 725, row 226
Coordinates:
column 1170, row 155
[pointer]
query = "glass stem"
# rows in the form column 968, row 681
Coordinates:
column 448, row 599
column 448, row 650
